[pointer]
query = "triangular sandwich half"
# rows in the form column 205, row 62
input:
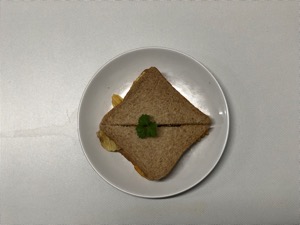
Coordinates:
column 154, row 158
column 152, row 94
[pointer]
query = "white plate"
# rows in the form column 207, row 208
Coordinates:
column 193, row 81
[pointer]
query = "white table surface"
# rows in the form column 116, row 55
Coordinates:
column 51, row 49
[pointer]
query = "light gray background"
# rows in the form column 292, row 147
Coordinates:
column 51, row 49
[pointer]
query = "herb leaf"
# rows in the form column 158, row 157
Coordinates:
column 146, row 127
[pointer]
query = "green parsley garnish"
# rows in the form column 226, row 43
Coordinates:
column 146, row 127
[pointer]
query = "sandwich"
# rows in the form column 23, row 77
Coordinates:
column 153, row 126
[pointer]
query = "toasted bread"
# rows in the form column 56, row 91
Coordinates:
column 152, row 94
column 155, row 157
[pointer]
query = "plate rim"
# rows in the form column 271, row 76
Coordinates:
column 176, row 52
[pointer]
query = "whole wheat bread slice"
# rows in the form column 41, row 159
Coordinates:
column 152, row 94
column 155, row 157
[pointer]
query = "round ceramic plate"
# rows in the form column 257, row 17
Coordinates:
column 193, row 81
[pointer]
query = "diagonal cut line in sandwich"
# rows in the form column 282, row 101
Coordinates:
column 180, row 125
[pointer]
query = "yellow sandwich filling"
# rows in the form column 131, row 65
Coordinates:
column 105, row 141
